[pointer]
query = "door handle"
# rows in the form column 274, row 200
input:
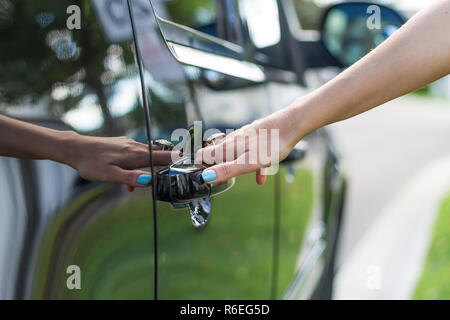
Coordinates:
column 181, row 184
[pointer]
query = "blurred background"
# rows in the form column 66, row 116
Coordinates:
column 396, row 236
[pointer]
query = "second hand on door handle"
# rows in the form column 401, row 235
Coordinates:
column 181, row 185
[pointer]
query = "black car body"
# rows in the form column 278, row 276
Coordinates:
column 196, row 61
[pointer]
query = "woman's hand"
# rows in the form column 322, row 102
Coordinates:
column 252, row 148
column 113, row 160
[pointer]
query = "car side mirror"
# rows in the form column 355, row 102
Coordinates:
column 351, row 30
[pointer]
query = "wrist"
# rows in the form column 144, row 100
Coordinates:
column 296, row 120
column 67, row 147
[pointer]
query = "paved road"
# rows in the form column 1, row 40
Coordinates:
column 382, row 149
column 388, row 260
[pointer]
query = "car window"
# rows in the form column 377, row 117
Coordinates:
column 70, row 60
column 197, row 14
column 262, row 21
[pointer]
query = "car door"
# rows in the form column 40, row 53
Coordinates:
column 13, row 217
column 301, row 219
column 192, row 74
column 69, row 65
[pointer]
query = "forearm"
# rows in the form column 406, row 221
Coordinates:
column 414, row 56
column 104, row 159
column 23, row 140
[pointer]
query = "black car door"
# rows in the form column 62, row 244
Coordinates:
column 69, row 65
column 192, row 74
column 301, row 184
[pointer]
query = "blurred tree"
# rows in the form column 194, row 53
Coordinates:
column 192, row 13
column 41, row 58
column 309, row 13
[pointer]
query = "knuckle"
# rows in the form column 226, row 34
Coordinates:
column 226, row 171
column 207, row 155
column 136, row 151
column 125, row 148
column 130, row 179
column 199, row 154
column 134, row 142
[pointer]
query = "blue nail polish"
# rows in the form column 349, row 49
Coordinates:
column 144, row 179
column 209, row 175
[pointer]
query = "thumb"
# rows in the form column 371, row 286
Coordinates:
column 261, row 176
column 228, row 170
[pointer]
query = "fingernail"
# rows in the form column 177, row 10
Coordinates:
column 209, row 175
column 144, row 179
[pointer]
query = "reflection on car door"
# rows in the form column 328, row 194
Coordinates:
column 232, row 257
column 57, row 222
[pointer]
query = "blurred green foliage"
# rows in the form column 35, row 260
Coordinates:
column 42, row 53
column 424, row 91
column 435, row 280
column 192, row 13
column 309, row 14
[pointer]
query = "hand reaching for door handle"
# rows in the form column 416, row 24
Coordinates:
column 114, row 160
column 415, row 55
column 111, row 160
column 252, row 148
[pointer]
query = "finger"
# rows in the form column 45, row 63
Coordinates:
column 142, row 159
column 224, row 151
column 132, row 178
column 163, row 158
column 130, row 188
column 230, row 148
column 204, row 155
column 227, row 170
column 215, row 153
column 261, row 176
column 145, row 145
column 154, row 147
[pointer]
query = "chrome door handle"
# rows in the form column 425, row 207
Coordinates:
column 182, row 185
column 182, row 182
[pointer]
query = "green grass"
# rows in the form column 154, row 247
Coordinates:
column 230, row 259
column 435, row 280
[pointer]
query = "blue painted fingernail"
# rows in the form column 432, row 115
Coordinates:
column 209, row 175
column 144, row 179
